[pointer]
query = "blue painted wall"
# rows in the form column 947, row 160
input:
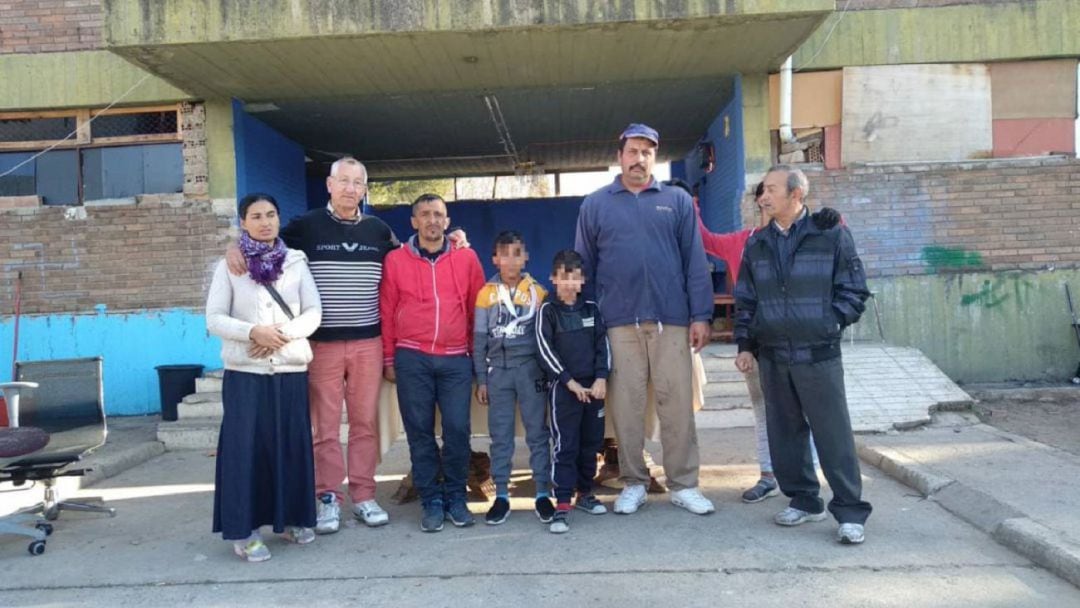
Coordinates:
column 722, row 189
column 267, row 161
column 317, row 196
column 130, row 343
column 547, row 224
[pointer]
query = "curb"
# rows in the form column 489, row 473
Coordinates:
column 111, row 464
column 1005, row 524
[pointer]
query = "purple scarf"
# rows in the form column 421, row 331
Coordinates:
column 264, row 262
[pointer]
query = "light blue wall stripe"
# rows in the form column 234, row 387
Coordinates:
column 131, row 344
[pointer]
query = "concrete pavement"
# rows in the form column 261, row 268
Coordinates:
column 1024, row 494
column 158, row 551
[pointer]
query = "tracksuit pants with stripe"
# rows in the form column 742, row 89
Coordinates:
column 577, row 432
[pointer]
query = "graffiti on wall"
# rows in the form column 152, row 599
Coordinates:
column 994, row 293
column 950, row 259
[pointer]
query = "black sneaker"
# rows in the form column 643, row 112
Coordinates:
column 590, row 504
column 459, row 514
column 560, row 522
column 432, row 518
column 498, row 512
column 544, row 509
column 763, row 489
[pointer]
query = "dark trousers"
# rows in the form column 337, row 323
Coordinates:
column 807, row 397
column 424, row 382
column 577, row 430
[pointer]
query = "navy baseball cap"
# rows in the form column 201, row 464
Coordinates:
column 644, row 131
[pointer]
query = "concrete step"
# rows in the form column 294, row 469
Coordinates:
column 189, row 434
column 733, row 376
column 208, row 385
column 201, row 398
column 214, row 373
column 726, row 389
column 202, row 409
column 727, row 403
column 726, row 419
column 201, row 434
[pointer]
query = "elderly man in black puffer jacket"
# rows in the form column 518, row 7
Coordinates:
column 798, row 287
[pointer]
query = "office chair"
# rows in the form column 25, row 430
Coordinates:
column 69, row 406
column 15, row 443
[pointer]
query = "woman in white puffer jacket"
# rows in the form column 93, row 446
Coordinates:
column 265, row 469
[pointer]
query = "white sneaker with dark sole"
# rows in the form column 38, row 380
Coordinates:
column 851, row 534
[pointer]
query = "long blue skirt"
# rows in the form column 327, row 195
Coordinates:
column 265, row 467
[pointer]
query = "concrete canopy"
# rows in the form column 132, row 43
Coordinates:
column 421, row 88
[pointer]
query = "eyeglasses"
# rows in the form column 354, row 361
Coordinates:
column 345, row 183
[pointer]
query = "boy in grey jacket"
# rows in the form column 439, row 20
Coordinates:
column 507, row 373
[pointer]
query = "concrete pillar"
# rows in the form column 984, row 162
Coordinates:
column 222, row 153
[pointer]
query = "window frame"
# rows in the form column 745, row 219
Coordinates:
column 84, row 128
column 83, row 138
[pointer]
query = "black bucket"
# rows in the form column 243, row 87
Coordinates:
column 175, row 382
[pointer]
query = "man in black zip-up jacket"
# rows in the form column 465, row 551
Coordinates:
column 798, row 287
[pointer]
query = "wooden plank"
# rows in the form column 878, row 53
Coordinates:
column 1034, row 136
column 816, row 99
column 1014, row 83
column 898, row 113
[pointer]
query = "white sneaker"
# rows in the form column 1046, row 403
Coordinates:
column 851, row 534
column 793, row 517
column 371, row 514
column 692, row 500
column 327, row 514
column 630, row 499
column 299, row 535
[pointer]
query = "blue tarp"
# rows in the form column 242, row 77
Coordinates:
column 546, row 223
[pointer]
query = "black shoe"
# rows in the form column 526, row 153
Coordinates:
column 590, row 504
column 498, row 512
column 459, row 514
column 544, row 509
column 432, row 518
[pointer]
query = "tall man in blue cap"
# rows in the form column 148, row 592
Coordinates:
column 645, row 263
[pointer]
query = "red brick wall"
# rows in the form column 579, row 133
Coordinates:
column 156, row 254
column 42, row 26
column 986, row 215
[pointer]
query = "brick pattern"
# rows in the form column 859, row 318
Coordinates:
column 957, row 217
column 158, row 253
column 196, row 164
column 43, row 26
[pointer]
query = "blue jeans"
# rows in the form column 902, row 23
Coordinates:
column 422, row 382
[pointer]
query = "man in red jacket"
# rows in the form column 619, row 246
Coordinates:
column 426, row 302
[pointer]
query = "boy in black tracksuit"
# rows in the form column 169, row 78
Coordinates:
column 573, row 349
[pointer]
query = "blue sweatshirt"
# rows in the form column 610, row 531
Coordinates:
column 643, row 254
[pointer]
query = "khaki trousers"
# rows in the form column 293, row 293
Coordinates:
column 660, row 354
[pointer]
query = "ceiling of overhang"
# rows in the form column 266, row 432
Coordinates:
column 413, row 105
column 461, row 133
